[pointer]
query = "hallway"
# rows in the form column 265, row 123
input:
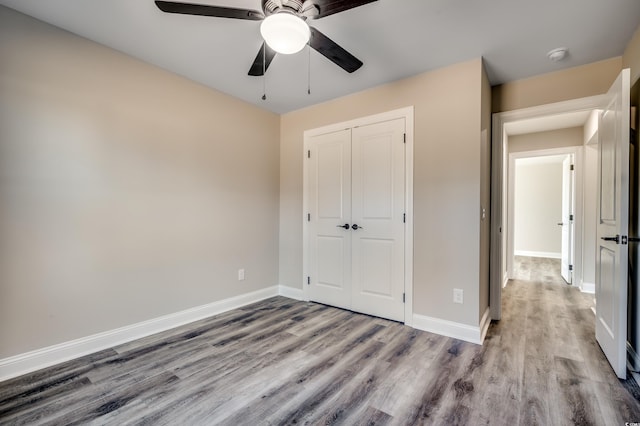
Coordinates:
column 552, row 325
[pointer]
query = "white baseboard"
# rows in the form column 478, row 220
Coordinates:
column 456, row 330
column 547, row 254
column 41, row 358
column 290, row 292
column 588, row 287
column 505, row 280
column 35, row 360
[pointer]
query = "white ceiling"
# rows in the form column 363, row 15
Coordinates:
column 394, row 39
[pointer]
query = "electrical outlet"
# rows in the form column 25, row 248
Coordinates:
column 458, row 295
column 240, row 274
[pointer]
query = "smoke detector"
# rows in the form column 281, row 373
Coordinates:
column 556, row 55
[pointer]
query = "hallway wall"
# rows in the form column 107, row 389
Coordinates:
column 538, row 207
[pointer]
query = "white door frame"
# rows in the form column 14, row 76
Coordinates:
column 498, row 166
column 576, row 195
column 407, row 114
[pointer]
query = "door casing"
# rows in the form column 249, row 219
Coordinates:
column 499, row 166
column 576, row 151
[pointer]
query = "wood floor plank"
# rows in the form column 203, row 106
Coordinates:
column 281, row 361
column 51, row 377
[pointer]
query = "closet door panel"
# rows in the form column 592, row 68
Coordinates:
column 329, row 199
column 378, row 199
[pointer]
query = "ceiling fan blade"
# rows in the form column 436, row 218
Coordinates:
column 260, row 64
column 205, row 10
column 329, row 7
column 332, row 51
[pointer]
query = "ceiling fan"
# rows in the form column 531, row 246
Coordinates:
column 283, row 27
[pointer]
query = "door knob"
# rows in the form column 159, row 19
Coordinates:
column 345, row 226
column 355, row 227
column 616, row 239
column 634, row 239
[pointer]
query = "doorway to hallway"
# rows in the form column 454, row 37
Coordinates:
column 541, row 208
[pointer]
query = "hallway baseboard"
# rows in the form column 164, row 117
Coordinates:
column 545, row 254
column 588, row 287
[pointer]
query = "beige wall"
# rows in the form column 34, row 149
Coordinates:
column 560, row 138
column 446, row 182
column 537, row 207
column 631, row 56
column 126, row 192
column 573, row 83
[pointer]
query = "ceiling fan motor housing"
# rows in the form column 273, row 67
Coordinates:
column 304, row 9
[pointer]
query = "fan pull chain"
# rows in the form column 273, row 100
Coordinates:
column 264, row 71
column 309, row 69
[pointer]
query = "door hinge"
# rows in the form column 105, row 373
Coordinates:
column 308, row 217
column 404, row 298
column 571, row 267
column 404, row 138
column 404, row 218
column 571, row 167
column 570, row 217
column 308, row 280
column 308, row 153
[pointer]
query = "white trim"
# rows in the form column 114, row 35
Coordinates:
column 576, row 151
column 588, row 287
column 290, row 292
column 497, row 270
column 498, row 154
column 545, row 254
column 468, row 333
column 408, row 114
column 408, row 232
column 35, row 360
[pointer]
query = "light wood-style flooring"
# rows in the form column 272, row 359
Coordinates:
column 287, row 362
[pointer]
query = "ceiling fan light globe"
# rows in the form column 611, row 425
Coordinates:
column 285, row 33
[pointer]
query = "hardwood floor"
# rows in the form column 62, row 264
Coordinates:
column 286, row 362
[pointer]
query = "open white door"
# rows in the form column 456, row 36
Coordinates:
column 566, row 263
column 612, row 224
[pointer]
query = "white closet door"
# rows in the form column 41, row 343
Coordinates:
column 329, row 198
column 377, row 209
